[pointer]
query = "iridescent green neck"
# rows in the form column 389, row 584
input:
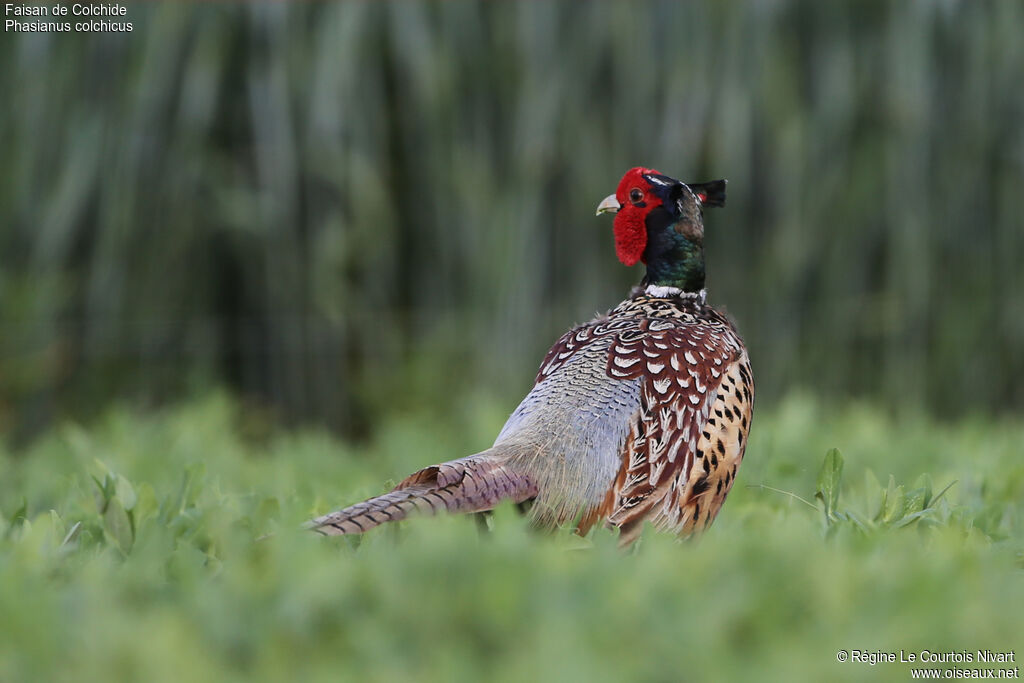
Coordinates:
column 674, row 261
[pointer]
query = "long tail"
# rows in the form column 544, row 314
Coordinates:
column 472, row 484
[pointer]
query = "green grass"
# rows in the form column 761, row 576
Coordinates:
column 165, row 546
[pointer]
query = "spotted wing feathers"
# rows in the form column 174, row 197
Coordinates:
column 682, row 363
column 717, row 457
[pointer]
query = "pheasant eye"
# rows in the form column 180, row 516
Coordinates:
column 635, row 195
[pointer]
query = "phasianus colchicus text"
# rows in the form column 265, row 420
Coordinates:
column 640, row 414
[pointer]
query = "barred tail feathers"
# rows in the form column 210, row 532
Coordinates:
column 473, row 484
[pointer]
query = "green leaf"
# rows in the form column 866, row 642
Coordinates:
column 105, row 492
column 911, row 518
column 924, row 482
column 21, row 514
column 943, row 492
column 829, row 479
column 125, row 493
column 862, row 523
column 873, row 491
column 102, row 466
column 894, row 502
column 146, row 504
column 18, row 519
column 72, row 534
column 117, row 525
column 917, row 500
column 189, row 491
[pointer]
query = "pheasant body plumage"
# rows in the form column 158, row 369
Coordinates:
column 640, row 414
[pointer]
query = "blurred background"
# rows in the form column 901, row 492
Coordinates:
column 339, row 210
column 258, row 260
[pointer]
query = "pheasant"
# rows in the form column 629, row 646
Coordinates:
column 641, row 414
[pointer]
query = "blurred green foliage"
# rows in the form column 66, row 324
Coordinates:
column 332, row 205
column 166, row 546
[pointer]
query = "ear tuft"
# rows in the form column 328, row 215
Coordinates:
column 711, row 193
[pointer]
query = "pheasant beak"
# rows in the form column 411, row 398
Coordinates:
column 608, row 205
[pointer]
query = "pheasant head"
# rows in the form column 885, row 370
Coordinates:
column 659, row 220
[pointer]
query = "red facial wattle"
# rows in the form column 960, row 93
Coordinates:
column 630, row 235
column 630, row 221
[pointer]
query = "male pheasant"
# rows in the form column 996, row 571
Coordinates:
column 640, row 414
